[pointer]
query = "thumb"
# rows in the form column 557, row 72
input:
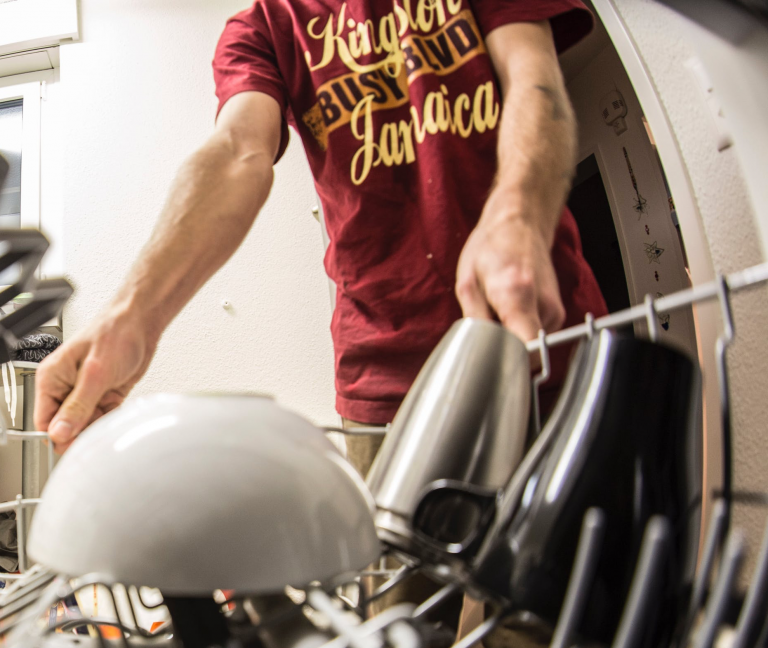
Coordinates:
column 78, row 407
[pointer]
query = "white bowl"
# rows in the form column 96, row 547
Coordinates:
column 195, row 493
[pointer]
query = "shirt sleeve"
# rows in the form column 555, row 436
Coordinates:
column 570, row 19
column 245, row 61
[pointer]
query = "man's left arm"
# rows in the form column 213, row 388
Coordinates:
column 505, row 268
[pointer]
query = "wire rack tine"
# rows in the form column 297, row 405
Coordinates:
column 435, row 600
column 755, row 609
column 51, row 458
column 21, row 533
column 72, row 624
column 356, row 636
column 587, row 556
column 485, row 628
column 373, row 625
column 14, row 504
column 16, row 435
column 737, row 281
column 28, row 582
column 721, row 349
column 714, row 539
column 32, row 610
column 542, row 377
column 18, row 605
column 650, row 318
column 653, row 552
column 716, row 607
column 589, row 322
column 400, row 575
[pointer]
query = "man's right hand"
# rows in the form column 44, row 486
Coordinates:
column 216, row 196
column 89, row 376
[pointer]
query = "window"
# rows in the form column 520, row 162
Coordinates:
column 11, row 131
column 20, row 144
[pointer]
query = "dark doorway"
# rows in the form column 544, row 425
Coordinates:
column 589, row 204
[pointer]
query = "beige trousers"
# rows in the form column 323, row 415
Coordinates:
column 361, row 451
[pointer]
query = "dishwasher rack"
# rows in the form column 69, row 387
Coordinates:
column 344, row 623
column 23, row 249
column 24, row 608
column 30, row 463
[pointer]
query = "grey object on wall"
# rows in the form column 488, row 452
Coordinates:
column 4, row 166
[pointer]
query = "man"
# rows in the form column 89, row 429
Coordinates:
column 442, row 145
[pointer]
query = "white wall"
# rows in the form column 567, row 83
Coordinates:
column 730, row 229
column 739, row 71
column 136, row 96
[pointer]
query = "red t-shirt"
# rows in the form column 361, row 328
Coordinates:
column 398, row 109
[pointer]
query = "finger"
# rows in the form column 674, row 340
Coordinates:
column 51, row 387
column 78, row 407
column 61, row 448
column 524, row 325
column 513, row 297
column 472, row 300
column 46, row 406
column 552, row 312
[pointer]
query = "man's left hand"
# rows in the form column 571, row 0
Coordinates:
column 505, row 272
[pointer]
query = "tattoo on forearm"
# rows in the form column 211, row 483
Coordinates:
column 558, row 111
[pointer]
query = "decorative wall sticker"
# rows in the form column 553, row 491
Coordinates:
column 664, row 318
column 653, row 252
column 641, row 203
column 656, row 274
column 614, row 109
column 648, row 230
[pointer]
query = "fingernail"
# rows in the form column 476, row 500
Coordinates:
column 61, row 431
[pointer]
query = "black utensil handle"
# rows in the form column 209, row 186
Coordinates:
column 587, row 556
column 713, row 541
column 645, row 583
column 753, row 620
column 730, row 566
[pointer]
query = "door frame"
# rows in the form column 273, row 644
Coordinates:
column 707, row 316
column 594, row 148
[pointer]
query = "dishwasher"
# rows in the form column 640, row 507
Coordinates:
column 239, row 524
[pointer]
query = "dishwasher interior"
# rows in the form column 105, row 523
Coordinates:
column 235, row 523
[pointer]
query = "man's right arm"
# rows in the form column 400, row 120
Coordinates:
column 211, row 206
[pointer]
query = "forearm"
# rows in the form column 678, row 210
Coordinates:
column 505, row 269
column 537, row 143
column 216, row 196
column 212, row 204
